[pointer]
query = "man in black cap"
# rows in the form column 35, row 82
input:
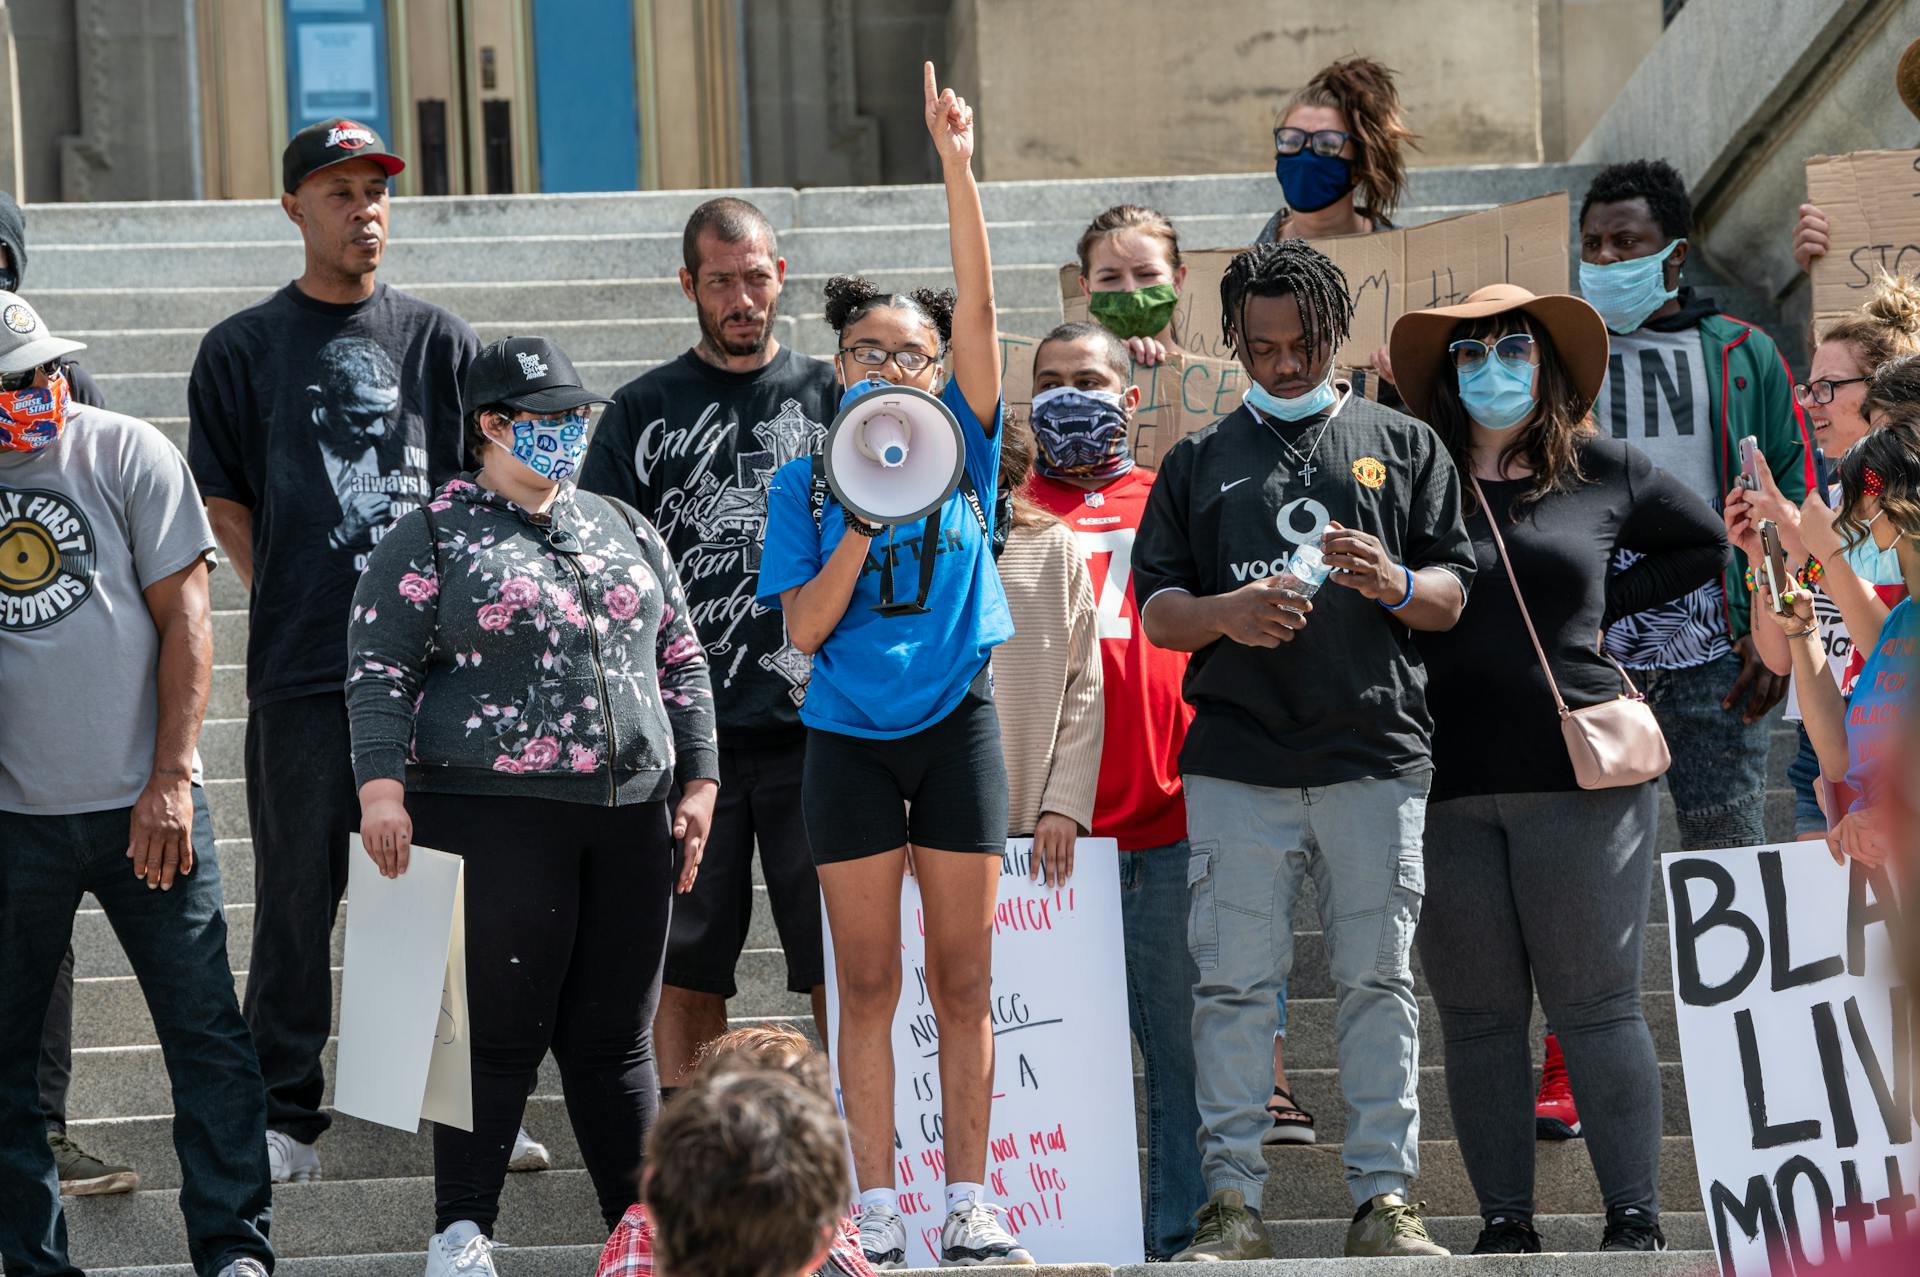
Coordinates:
column 316, row 419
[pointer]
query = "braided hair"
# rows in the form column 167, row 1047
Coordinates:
column 1279, row 268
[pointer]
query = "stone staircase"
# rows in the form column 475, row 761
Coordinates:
column 140, row 283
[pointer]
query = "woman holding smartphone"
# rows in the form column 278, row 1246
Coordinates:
column 900, row 714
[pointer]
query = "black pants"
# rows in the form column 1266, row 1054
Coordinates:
column 566, row 924
column 55, row 1072
column 301, row 806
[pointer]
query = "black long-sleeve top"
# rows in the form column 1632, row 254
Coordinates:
column 1495, row 730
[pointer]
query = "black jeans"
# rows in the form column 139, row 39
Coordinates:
column 566, row 925
column 55, row 1071
column 301, row 806
column 177, row 943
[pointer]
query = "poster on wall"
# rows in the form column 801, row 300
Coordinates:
column 1062, row 1151
column 1796, row 1043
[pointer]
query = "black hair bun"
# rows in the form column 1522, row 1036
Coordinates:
column 846, row 295
column 938, row 305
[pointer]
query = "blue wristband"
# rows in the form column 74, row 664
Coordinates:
column 1395, row 607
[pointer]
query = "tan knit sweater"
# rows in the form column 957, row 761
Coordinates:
column 1046, row 680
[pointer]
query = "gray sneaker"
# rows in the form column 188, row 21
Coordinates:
column 244, row 1268
column 1226, row 1228
column 1392, row 1227
column 84, row 1175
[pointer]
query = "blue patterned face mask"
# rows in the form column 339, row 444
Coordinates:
column 1080, row 434
column 1625, row 293
column 551, row 447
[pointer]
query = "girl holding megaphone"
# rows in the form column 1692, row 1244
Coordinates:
column 899, row 709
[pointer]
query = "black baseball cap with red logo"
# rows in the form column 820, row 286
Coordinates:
column 333, row 142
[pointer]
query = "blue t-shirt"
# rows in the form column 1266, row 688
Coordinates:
column 1879, row 705
column 882, row 677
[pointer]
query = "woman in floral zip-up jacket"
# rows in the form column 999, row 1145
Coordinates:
column 525, row 690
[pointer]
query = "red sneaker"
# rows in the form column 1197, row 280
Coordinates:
column 1554, row 1117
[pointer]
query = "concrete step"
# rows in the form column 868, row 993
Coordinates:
column 1185, row 197
column 1304, row 1246
column 538, row 299
column 525, row 1261
column 172, row 350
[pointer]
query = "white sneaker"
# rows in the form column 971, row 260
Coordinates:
column 529, row 1154
column 974, row 1235
column 289, row 1161
column 244, row 1268
column 883, row 1237
column 463, row 1248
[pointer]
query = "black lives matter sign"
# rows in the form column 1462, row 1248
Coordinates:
column 1796, row 1038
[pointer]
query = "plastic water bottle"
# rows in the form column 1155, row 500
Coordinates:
column 1306, row 570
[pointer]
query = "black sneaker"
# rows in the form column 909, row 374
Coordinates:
column 1505, row 1235
column 1631, row 1228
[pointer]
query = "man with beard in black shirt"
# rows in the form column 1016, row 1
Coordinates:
column 1309, row 749
column 691, row 444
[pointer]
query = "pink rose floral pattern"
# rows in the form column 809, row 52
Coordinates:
column 486, row 639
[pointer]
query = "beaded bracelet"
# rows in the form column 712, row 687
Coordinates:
column 1811, row 573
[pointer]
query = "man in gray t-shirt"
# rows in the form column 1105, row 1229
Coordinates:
column 106, row 655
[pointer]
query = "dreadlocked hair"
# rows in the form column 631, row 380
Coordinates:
column 850, row 299
column 1288, row 266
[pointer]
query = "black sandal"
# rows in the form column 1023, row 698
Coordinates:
column 1291, row 1125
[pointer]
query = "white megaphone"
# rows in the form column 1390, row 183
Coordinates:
column 894, row 455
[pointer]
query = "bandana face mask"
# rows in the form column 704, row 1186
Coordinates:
column 551, row 447
column 1080, row 434
column 31, row 419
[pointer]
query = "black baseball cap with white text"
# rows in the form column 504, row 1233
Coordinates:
column 526, row 374
column 333, row 142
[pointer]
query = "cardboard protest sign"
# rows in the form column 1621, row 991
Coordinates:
column 1390, row 273
column 1796, row 1041
column 1062, row 1156
column 405, row 1043
column 1872, row 203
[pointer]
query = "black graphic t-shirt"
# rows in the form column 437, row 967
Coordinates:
column 329, row 422
column 1346, row 699
column 692, row 447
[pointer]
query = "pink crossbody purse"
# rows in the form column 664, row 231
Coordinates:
column 1612, row 745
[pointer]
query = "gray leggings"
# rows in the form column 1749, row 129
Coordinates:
column 1547, row 892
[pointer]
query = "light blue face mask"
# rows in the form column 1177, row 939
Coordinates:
column 1872, row 564
column 1315, row 401
column 865, row 385
column 1496, row 395
column 1625, row 293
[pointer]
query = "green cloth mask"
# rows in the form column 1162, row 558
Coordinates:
column 1141, row 312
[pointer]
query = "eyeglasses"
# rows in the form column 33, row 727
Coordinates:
column 1821, row 391
column 1326, row 143
column 1515, row 350
column 21, row 380
column 874, row 357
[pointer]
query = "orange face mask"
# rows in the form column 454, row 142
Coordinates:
column 31, row 419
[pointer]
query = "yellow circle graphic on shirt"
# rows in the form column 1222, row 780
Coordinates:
column 47, row 558
column 1370, row 472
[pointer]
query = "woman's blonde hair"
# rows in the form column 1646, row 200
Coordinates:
column 1363, row 91
column 1885, row 327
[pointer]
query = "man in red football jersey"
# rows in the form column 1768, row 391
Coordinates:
column 1084, row 472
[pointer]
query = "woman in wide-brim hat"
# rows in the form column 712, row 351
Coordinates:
column 1532, row 881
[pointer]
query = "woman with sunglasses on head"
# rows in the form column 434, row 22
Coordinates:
column 527, row 692
column 1835, row 397
column 1507, row 379
column 900, row 712
column 1879, row 523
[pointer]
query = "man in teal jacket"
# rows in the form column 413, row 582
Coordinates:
column 1685, row 385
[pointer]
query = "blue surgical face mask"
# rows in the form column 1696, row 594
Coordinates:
column 551, row 447
column 865, row 385
column 1872, row 564
column 1312, row 182
column 1497, row 395
column 1317, row 400
column 1625, row 293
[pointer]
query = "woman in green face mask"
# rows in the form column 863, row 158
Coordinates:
column 1131, row 273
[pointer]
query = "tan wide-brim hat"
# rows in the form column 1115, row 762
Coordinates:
column 1907, row 77
column 1418, row 345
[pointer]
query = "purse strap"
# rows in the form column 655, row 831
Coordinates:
column 1506, row 561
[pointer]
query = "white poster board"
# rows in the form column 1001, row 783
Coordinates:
column 1063, row 1156
column 1795, row 1038
column 405, row 1048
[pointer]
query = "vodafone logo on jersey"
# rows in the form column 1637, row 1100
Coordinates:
column 349, row 136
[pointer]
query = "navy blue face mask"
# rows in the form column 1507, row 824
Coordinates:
column 1312, row 182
